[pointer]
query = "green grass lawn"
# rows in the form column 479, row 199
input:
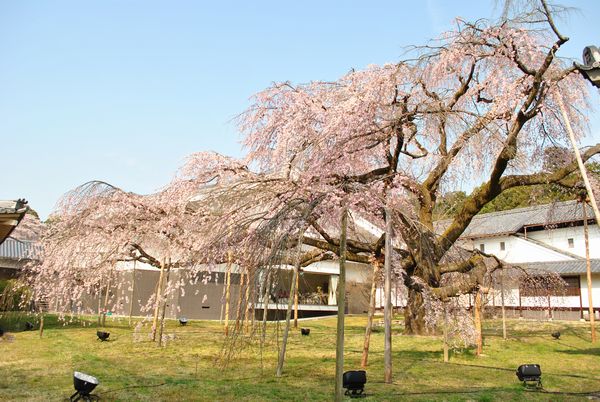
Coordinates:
column 188, row 368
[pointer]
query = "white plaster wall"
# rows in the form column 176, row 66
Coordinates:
column 518, row 250
column 559, row 238
column 595, row 290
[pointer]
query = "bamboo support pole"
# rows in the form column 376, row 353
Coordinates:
column 387, row 312
column 589, row 274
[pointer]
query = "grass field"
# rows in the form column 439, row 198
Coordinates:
column 188, row 368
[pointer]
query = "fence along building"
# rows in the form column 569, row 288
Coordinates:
column 544, row 238
column 201, row 295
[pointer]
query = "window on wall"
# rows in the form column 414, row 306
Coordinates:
column 502, row 246
column 571, row 243
column 482, row 247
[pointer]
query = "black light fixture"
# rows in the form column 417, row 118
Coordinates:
column 531, row 375
column 84, row 384
column 590, row 68
column 102, row 335
column 183, row 321
column 305, row 331
column 556, row 335
column 354, row 382
column 28, row 326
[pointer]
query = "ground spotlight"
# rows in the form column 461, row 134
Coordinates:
column 354, row 382
column 103, row 336
column 28, row 326
column 305, row 331
column 531, row 375
column 183, row 320
column 84, row 384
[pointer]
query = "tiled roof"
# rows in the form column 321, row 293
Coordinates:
column 563, row 267
column 13, row 249
column 512, row 221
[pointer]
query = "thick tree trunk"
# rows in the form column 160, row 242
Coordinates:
column 414, row 314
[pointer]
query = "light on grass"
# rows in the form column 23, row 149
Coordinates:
column 102, row 335
column 354, row 383
column 531, row 375
column 183, row 321
column 84, row 384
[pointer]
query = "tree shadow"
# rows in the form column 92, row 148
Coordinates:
column 580, row 351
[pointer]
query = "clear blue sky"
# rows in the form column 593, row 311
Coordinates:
column 122, row 90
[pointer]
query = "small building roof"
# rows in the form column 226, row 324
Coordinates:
column 515, row 220
column 13, row 249
column 11, row 213
column 563, row 267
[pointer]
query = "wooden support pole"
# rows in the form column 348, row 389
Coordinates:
column 589, row 273
column 478, row 330
column 157, row 299
column 446, row 354
column 227, row 290
column 41, row 323
column 265, row 307
column 297, row 275
column 288, row 314
column 365, row 356
column 341, row 306
column 503, row 305
column 132, row 292
column 238, row 314
column 106, row 301
column 164, row 303
column 387, row 312
column 247, row 302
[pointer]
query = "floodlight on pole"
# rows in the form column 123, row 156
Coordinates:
column 590, row 68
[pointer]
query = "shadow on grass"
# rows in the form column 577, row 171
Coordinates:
column 580, row 351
